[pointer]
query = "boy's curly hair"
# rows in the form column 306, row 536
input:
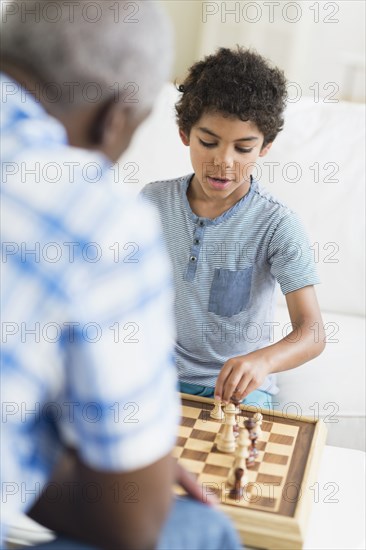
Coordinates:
column 237, row 83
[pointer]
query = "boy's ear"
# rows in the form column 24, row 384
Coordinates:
column 265, row 149
column 183, row 137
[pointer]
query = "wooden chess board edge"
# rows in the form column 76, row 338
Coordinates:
column 303, row 508
column 249, row 408
column 197, row 398
column 280, row 533
column 273, row 413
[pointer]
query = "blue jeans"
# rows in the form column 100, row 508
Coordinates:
column 256, row 398
column 191, row 525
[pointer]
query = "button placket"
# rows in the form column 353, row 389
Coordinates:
column 195, row 250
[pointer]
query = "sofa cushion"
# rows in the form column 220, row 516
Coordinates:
column 320, row 174
column 331, row 386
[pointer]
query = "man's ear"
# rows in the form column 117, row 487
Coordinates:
column 101, row 120
column 183, row 137
column 112, row 129
column 265, row 149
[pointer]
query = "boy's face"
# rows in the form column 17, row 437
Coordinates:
column 223, row 154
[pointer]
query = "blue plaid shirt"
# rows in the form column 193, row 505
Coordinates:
column 87, row 321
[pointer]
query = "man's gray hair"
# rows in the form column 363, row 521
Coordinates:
column 88, row 51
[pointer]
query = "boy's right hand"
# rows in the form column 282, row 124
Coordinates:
column 241, row 375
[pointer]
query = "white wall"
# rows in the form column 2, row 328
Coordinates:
column 320, row 45
column 186, row 18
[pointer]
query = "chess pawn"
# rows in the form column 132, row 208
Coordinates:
column 226, row 440
column 241, row 454
column 258, row 419
column 217, row 413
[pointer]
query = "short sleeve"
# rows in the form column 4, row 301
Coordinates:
column 290, row 256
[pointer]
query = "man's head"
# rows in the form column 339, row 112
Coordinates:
column 97, row 66
column 238, row 84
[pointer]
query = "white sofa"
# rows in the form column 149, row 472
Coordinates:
column 316, row 167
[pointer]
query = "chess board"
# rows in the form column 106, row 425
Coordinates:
column 273, row 510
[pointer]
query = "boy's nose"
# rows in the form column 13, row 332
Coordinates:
column 224, row 161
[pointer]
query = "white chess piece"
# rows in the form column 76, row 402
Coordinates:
column 217, row 413
column 242, row 453
column 258, row 419
column 226, row 440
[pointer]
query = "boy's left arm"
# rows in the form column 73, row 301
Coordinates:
column 243, row 374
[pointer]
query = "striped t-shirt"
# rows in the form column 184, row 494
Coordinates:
column 225, row 272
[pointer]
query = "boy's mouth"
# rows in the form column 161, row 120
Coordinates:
column 218, row 183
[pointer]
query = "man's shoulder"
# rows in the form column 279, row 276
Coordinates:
column 77, row 191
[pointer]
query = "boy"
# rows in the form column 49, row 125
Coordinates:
column 229, row 240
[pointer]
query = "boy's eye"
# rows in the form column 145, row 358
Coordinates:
column 206, row 144
column 210, row 145
column 240, row 150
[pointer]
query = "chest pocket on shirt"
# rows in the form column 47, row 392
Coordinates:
column 230, row 291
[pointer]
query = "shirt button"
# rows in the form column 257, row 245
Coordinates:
column 192, row 259
column 201, row 223
column 197, row 241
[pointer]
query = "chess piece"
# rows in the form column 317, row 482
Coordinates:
column 217, row 413
column 235, row 399
column 237, row 492
column 241, row 454
column 236, row 425
column 253, row 452
column 241, row 421
column 226, row 440
column 258, row 419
